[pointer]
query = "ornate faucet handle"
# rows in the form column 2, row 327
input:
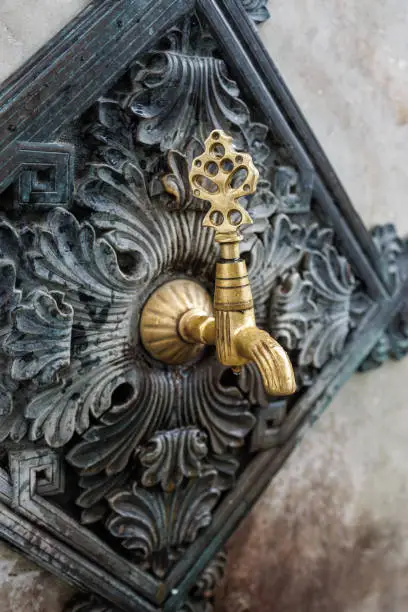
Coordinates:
column 222, row 175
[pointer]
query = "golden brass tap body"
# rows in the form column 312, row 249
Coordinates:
column 221, row 175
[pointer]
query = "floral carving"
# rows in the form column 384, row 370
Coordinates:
column 173, row 455
column 155, row 526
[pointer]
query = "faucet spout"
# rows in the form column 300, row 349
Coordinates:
column 270, row 358
column 237, row 338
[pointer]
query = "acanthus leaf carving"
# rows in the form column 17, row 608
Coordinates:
column 155, row 526
column 177, row 183
column 146, row 404
column 170, row 456
column 279, row 249
column 96, row 489
column 171, row 121
column 203, row 594
column 40, row 340
column 227, row 466
column 69, row 255
column 333, row 285
column 12, row 422
column 313, row 310
column 292, row 310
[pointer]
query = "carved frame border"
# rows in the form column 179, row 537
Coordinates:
column 34, row 104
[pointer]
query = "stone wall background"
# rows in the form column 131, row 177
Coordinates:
column 335, row 518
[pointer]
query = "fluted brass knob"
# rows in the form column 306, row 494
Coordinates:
column 220, row 176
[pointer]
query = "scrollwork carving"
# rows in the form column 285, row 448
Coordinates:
column 176, row 183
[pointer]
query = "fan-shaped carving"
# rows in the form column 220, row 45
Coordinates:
column 155, row 526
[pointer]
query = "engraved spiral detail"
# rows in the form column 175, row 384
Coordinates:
column 161, row 316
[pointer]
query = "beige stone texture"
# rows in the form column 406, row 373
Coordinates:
column 26, row 25
column 330, row 534
column 25, row 587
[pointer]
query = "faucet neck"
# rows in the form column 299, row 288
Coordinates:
column 229, row 251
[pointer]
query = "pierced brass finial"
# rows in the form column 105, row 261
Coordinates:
column 221, row 175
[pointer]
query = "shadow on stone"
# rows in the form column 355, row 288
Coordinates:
column 309, row 557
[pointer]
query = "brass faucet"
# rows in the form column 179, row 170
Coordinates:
column 221, row 175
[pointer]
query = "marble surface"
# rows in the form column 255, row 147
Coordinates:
column 336, row 516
